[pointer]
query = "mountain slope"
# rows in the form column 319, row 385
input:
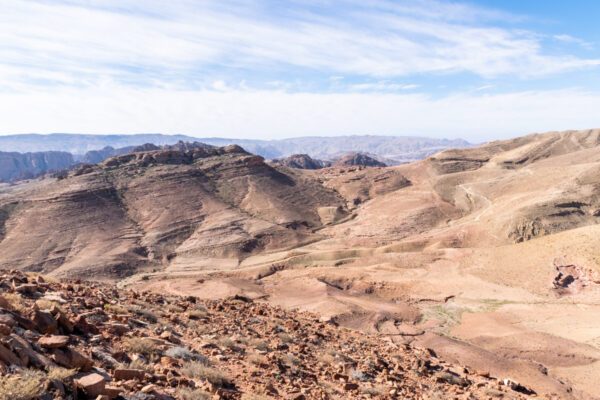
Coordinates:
column 148, row 208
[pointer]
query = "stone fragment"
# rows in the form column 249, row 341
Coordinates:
column 44, row 322
column 53, row 341
column 127, row 374
column 92, row 384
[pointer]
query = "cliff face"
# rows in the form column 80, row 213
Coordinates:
column 29, row 165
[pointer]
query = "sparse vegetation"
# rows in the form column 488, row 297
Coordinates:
column 200, row 370
column 256, row 359
column 15, row 301
column 45, row 304
column 61, row 374
column 26, row 385
column 193, row 394
column 145, row 347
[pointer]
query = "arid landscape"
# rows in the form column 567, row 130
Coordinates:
column 486, row 256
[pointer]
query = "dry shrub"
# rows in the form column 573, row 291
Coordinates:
column 199, row 370
column 257, row 359
column 259, row 344
column 61, row 374
column 45, row 304
column 193, row 394
column 115, row 308
column 197, row 314
column 285, row 338
column 15, row 301
column 145, row 347
column 290, row 360
column 27, row 385
column 254, row 396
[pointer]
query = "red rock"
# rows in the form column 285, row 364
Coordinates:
column 70, row 358
column 112, row 391
column 44, row 321
column 83, row 326
column 5, row 329
column 127, row 374
column 350, row 386
column 8, row 357
column 4, row 303
column 64, row 322
column 8, row 319
column 26, row 289
column 53, row 342
column 91, row 384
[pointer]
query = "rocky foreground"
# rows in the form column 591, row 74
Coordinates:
column 81, row 340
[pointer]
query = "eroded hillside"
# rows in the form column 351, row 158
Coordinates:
column 487, row 255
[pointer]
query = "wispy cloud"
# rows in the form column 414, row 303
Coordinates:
column 181, row 43
column 572, row 39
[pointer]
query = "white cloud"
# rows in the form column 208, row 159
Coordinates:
column 383, row 86
column 572, row 39
column 154, row 42
column 276, row 114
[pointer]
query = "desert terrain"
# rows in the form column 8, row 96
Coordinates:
column 488, row 256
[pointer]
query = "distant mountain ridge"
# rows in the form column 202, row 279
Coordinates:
column 396, row 149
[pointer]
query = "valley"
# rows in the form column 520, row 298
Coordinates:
column 487, row 255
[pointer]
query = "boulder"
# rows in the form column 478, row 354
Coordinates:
column 44, row 322
column 92, row 384
column 53, row 341
column 70, row 358
column 128, row 374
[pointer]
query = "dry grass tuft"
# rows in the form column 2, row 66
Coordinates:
column 15, row 302
column 199, row 370
column 254, row 396
column 115, row 308
column 60, row 373
column 27, row 385
column 191, row 394
column 45, row 304
column 257, row 359
column 145, row 347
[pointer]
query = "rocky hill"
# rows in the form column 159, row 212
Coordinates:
column 155, row 208
column 73, row 339
column 17, row 166
column 357, row 159
column 300, row 161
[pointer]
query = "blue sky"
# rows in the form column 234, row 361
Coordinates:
column 480, row 70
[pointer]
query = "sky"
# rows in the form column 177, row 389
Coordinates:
column 477, row 70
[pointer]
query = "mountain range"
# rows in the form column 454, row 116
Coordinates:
column 40, row 154
column 486, row 256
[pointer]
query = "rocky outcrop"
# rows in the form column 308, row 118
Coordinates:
column 300, row 161
column 170, row 347
column 16, row 166
column 357, row 159
column 97, row 156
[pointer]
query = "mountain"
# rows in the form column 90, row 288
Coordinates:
column 304, row 161
column 79, row 144
column 154, row 208
column 397, row 149
column 357, row 159
column 300, row 161
column 486, row 256
column 15, row 166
